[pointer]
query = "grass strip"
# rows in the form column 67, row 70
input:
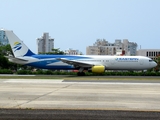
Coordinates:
column 74, row 77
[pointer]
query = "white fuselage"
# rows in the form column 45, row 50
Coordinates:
column 110, row 62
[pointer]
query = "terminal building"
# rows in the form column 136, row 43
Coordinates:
column 151, row 53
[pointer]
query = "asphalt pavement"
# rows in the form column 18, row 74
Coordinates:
column 43, row 114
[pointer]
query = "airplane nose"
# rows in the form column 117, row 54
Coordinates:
column 154, row 64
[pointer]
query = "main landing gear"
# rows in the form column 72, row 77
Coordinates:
column 81, row 73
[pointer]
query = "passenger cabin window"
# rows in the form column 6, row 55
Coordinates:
column 150, row 60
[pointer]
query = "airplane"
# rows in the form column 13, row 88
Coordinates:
column 91, row 63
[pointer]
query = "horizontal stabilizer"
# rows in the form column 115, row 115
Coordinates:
column 15, row 59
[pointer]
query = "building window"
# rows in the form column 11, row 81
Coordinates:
column 147, row 54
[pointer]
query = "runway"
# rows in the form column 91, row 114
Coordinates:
column 56, row 94
column 79, row 95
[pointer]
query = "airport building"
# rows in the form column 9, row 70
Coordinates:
column 119, row 47
column 151, row 53
column 45, row 43
column 3, row 38
column 70, row 51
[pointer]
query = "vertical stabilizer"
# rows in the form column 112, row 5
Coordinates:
column 18, row 47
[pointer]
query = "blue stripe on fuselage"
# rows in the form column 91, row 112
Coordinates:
column 69, row 57
column 29, row 53
column 49, row 59
column 44, row 65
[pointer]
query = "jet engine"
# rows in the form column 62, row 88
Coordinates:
column 97, row 69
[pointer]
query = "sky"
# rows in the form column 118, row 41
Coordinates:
column 77, row 24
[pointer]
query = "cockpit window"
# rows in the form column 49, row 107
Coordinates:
column 150, row 60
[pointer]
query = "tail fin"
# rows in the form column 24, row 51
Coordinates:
column 19, row 49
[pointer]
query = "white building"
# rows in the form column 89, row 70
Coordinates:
column 92, row 50
column 130, row 48
column 103, row 47
column 45, row 43
column 70, row 51
column 151, row 53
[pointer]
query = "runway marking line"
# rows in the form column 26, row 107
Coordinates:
column 90, row 109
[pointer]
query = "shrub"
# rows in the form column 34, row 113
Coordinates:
column 24, row 72
column 48, row 72
column 39, row 72
column 6, row 71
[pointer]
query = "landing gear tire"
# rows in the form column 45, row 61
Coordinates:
column 81, row 74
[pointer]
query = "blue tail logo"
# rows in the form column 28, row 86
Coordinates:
column 17, row 46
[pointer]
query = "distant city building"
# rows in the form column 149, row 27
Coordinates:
column 130, row 48
column 45, row 43
column 3, row 38
column 92, row 50
column 72, row 52
column 103, row 47
column 151, row 53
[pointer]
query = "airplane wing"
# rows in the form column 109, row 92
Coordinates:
column 76, row 63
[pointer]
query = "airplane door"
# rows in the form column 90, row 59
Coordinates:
column 112, row 61
column 141, row 61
